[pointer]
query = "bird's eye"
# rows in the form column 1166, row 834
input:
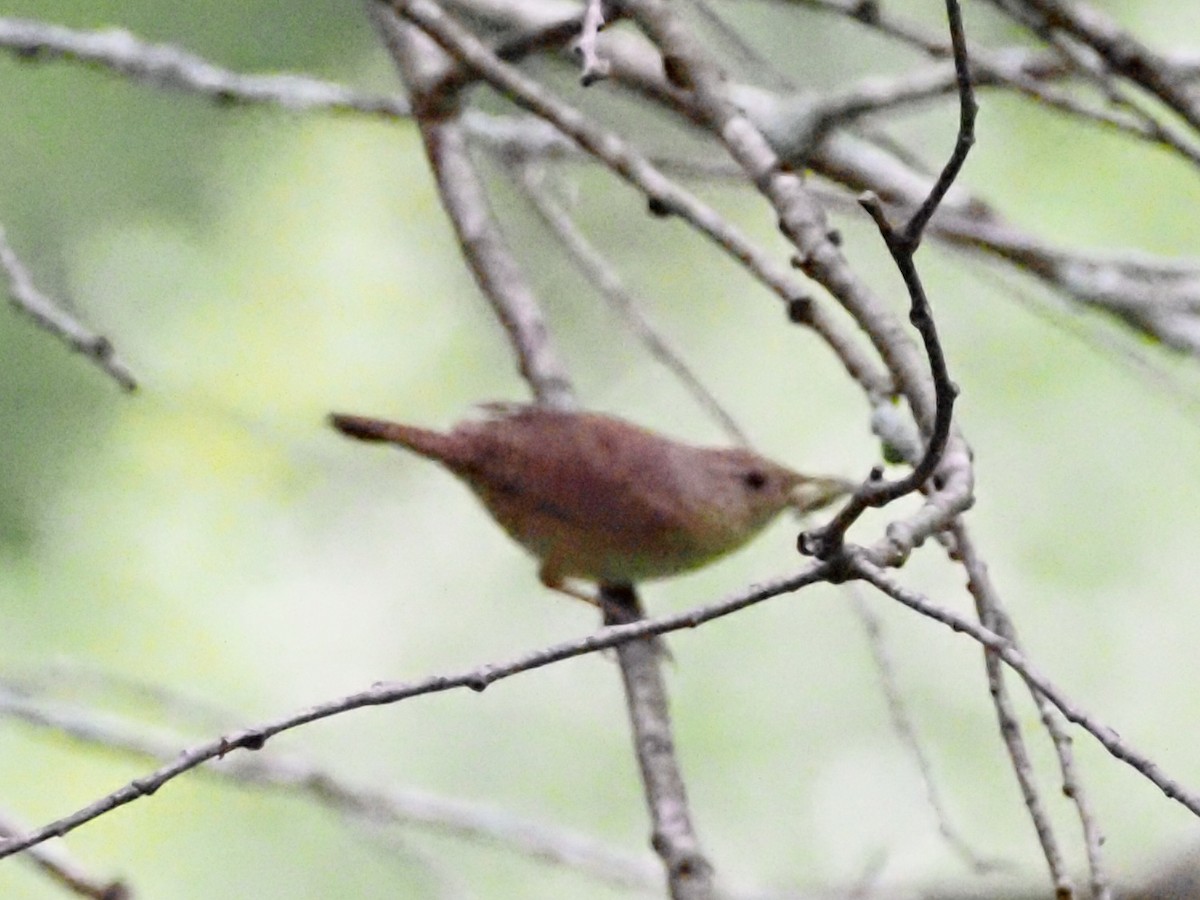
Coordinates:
column 754, row 480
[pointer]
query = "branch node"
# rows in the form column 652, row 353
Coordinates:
column 800, row 310
column 676, row 70
column 659, row 207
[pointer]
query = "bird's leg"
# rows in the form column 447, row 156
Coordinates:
column 614, row 613
column 558, row 582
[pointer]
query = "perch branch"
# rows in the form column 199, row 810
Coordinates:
column 476, row 679
column 363, row 805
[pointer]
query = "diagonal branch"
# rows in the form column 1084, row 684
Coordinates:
column 906, row 732
column 1122, row 52
column 464, row 198
column 992, row 613
column 64, row 871
column 53, row 318
column 422, row 65
column 608, row 283
column 664, row 196
column 360, row 804
column 476, row 679
column 862, row 567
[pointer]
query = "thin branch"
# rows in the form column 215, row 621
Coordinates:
column 476, row 679
column 1013, row 736
column 992, row 616
column 365, row 805
column 862, row 567
column 1085, row 63
column 600, row 273
column 802, row 220
column 664, row 196
column 966, row 132
column 167, row 66
column 595, row 66
column 1154, row 296
column 689, row 873
column 65, row 871
column 1122, row 52
column 992, row 613
column 1017, row 69
column 464, row 199
column 51, row 317
column 75, row 679
column 1025, row 71
column 902, row 244
column 906, row 732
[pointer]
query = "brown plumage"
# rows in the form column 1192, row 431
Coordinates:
column 598, row 498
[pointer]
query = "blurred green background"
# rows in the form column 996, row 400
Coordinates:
column 257, row 269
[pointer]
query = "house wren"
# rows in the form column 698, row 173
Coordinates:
column 597, row 498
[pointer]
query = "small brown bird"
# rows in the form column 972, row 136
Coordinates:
column 597, row 498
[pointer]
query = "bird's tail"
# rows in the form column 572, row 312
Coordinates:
column 433, row 444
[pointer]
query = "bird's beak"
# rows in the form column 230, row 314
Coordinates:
column 811, row 494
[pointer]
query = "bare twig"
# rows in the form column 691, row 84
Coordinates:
column 1085, row 63
column 665, row 197
column 498, row 274
column 476, row 679
column 906, row 732
column 53, row 318
column 167, row 66
column 826, row 542
column 76, row 679
column 369, row 806
column 63, row 870
column 1121, row 51
column 1023, row 70
column 1158, row 297
column 803, row 221
column 993, row 614
column 689, row 873
column 1111, row 285
column 479, row 678
column 862, row 567
column 1017, row 748
column 608, row 282
column 595, row 66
